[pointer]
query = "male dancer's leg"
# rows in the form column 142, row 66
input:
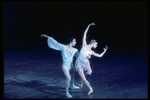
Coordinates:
column 72, row 71
column 68, row 79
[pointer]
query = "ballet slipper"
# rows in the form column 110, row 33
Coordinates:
column 74, row 87
column 68, row 95
column 91, row 91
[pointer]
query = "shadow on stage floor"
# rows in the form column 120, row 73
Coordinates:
column 35, row 75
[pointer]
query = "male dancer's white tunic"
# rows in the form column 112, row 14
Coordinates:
column 67, row 57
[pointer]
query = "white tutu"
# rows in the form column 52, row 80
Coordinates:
column 83, row 63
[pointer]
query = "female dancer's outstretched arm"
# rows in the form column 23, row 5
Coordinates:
column 84, row 36
column 100, row 55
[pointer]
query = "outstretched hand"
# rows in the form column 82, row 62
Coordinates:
column 105, row 48
column 43, row 35
column 92, row 23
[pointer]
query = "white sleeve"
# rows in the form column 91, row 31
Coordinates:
column 77, row 53
column 52, row 43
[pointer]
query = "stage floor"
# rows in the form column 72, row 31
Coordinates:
column 37, row 75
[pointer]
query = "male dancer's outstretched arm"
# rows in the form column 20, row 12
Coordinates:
column 52, row 43
column 43, row 35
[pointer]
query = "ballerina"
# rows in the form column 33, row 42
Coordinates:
column 68, row 52
column 82, row 64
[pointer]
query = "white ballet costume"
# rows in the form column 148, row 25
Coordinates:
column 82, row 61
column 67, row 57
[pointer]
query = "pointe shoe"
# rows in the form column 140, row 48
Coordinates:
column 68, row 95
column 91, row 91
column 74, row 87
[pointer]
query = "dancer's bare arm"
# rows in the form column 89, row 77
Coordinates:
column 43, row 35
column 100, row 55
column 85, row 32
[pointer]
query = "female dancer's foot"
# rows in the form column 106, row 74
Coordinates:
column 91, row 91
column 80, row 86
column 68, row 95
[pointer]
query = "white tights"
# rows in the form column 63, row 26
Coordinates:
column 68, row 80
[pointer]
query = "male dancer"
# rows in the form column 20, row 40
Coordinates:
column 68, row 53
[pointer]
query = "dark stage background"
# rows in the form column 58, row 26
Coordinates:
column 122, row 26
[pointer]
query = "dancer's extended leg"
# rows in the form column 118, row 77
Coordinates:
column 68, row 79
column 81, row 83
column 81, row 73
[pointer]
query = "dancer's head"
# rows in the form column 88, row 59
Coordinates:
column 72, row 41
column 93, row 43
